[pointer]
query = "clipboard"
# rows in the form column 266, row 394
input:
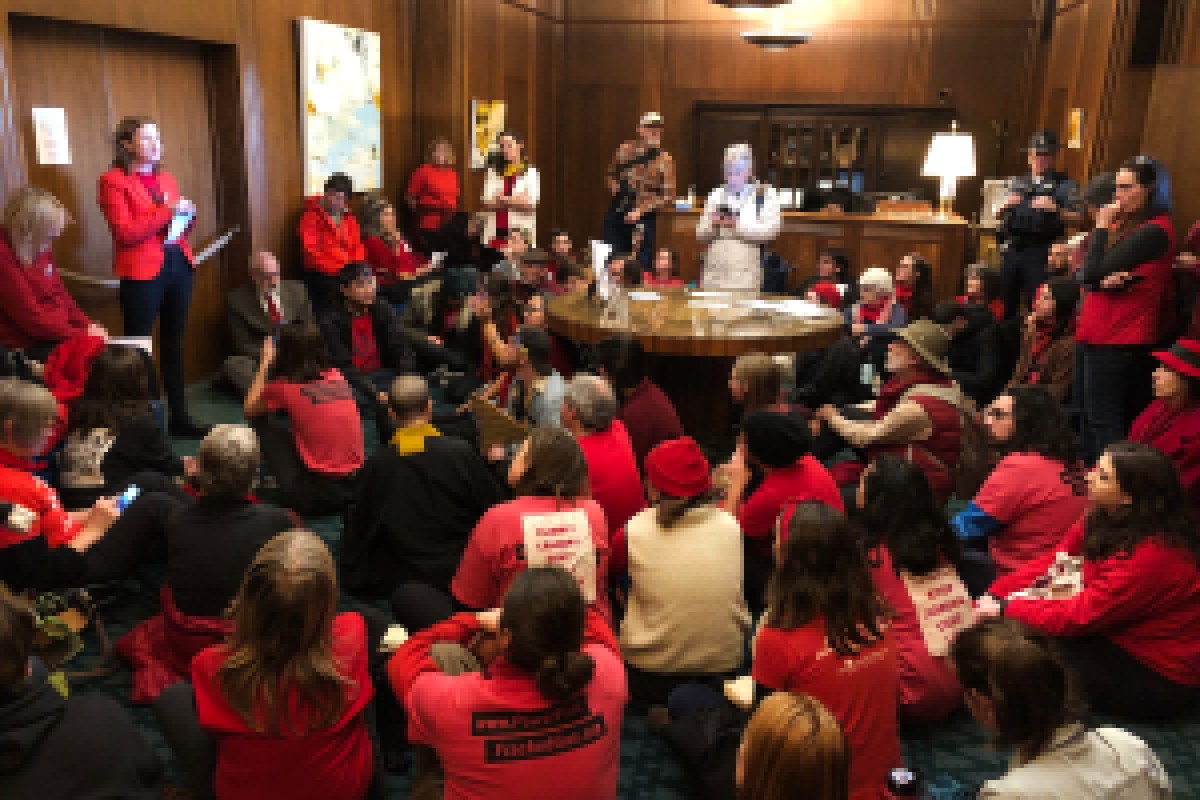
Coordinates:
column 496, row 426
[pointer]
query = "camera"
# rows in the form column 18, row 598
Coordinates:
column 725, row 210
column 626, row 197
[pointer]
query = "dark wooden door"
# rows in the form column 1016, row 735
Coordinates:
column 99, row 76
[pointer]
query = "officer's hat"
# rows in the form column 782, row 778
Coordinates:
column 1044, row 143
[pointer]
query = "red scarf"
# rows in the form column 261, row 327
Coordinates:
column 904, row 295
column 891, row 391
column 1043, row 337
column 873, row 313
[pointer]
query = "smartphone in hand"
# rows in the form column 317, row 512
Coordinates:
column 126, row 498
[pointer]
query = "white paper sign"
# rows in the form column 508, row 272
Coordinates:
column 562, row 539
column 600, row 253
column 50, row 136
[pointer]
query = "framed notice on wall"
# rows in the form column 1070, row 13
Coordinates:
column 1075, row 129
column 487, row 120
column 340, row 105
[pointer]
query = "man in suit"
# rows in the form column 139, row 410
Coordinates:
column 255, row 311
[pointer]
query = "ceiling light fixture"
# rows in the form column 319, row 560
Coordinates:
column 751, row 5
column 777, row 40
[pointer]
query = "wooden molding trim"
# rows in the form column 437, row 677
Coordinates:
column 537, row 12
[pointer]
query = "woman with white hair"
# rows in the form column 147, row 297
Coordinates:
column 739, row 218
column 36, row 312
column 876, row 314
column 209, row 542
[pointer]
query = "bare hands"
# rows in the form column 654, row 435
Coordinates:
column 1107, row 215
column 1044, row 203
column 268, row 351
column 633, row 216
column 489, row 620
column 1011, row 199
column 185, row 206
column 858, row 329
column 1117, row 280
column 189, row 466
column 98, row 331
column 987, row 606
column 496, row 453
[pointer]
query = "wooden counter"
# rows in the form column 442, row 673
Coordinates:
column 870, row 240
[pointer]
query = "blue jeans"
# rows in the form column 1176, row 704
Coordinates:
column 1113, row 386
column 166, row 298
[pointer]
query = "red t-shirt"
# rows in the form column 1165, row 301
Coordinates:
column 19, row 486
column 860, row 691
column 1146, row 602
column 436, row 191
column 364, row 350
column 929, row 689
column 534, row 531
column 334, row 762
column 806, row 480
column 1035, row 500
column 613, row 474
column 325, row 421
column 497, row 738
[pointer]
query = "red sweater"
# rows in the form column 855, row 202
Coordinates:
column 1137, row 314
column 328, row 246
column 1146, row 602
column 650, row 418
column 1176, row 434
column 334, row 762
column 19, row 486
column 435, row 191
column 613, row 474
column 34, row 305
column 390, row 265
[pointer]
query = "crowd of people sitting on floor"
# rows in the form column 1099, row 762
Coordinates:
column 942, row 508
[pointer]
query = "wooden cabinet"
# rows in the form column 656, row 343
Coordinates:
column 818, row 154
column 870, row 240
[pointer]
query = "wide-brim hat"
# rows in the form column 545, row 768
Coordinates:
column 1043, row 143
column 1183, row 357
column 929, row 341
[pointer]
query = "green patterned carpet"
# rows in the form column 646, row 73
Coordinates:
column 954, row 749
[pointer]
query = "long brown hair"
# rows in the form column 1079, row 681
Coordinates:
column 1019, row 670
column 1152, row 176
column 282, row 639
column 823, row 572
column 762, row 378
column 554, row 466
column 300, row 355
column 1159, row 508
column 127, row 128
column 117, row 390
column 793, row 741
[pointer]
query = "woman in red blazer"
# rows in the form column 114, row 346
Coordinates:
column 139, row 199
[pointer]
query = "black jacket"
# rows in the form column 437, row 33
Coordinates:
column 395, row 344
column 83, row 748
column 413, row 514
column 976, row 356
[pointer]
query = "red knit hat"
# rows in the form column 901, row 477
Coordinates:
column 678, row 468
column 828, row 294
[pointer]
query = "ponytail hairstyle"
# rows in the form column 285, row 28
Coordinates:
column 543, row 614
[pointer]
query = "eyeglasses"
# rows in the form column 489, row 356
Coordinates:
column 996, row 413
column 1125, row 185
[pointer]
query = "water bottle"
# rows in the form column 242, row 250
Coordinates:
column 867, row 374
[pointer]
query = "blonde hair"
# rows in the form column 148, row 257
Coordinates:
column 793, row 741
column 28, row 407
column 282, row 640
column 762, row 380
column 227, row 461
column 29, row 217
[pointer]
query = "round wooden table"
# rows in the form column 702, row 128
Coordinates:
column 693, row 337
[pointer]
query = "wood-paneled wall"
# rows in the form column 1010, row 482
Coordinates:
column 628, row 56
column 492, row 50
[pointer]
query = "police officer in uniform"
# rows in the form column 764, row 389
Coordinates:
column 1035, row 212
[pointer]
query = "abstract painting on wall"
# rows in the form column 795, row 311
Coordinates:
column 340, row 105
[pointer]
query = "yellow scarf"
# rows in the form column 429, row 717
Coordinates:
column 515, row 168
column 411, row 440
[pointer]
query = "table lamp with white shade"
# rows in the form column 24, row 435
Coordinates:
column 950, row 156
